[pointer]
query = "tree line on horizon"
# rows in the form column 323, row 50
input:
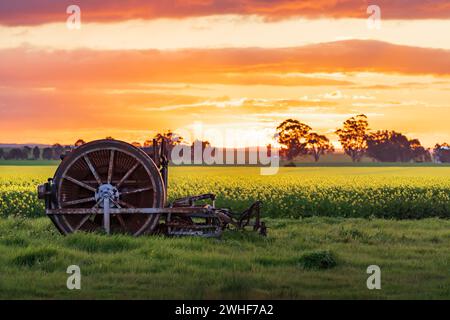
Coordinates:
column 297, row 139
column 53, row 152
column 357, row 141
column 56, row 151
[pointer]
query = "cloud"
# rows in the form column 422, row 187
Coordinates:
column 74, row 109
column 335, row 95
column 234, row 66
column 244, row 104
column 31, row 12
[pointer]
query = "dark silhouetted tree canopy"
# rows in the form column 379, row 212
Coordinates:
column 58, row 150
column 26, row 152
column 353, row 137
column 36, row 153
column 79, row 142
column 318, row 145
column 148, row 143
column 171, row 138
column 392, row 146
column 47, row 153
column 293, row 136
column 16, row 154
column 442, row 152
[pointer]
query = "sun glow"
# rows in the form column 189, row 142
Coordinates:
column 132, row 79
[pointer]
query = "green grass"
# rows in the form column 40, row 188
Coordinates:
column 309, row 258
column 325, row 256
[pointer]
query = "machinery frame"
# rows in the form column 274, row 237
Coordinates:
column 114, row 186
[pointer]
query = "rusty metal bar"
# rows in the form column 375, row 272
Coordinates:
column 106, row 215
column 195, row 212
column 79, row 201
column 136, row 190
column 81, row 184
column 110, row 167
column 127, row 174
column 116, row 181
column 82, row 222
column 91, row 167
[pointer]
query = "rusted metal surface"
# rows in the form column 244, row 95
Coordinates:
column 148, row 211
column 116, row 187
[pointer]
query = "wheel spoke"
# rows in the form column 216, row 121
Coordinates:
column 136, row 190
column 91, row 167
column 122, row 223
column 81, row 184
column 79, row 201
column 82, row 222
column 97, row 204
column 118, row 216
column 110, row 167
column 125, row 204
column 116, row 203
column 127, row 174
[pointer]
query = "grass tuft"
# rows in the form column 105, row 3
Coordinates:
column 14, row 241
column 35, row 256
column 318, row 260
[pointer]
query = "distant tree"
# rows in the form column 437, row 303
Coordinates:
column 293, row 137
column 269, row 150
column 441, row 152
column 16, row 154
column 47, row 153
column 419, row 153
column 79, row 142
column 318, row 145
column 58, row 150
column 26, row 152
column 2, row 153
column 36, row 153
column 171, row 138
column 67, row 149
column 429, row 157
column 353, row 137
column 148, row 143
column 109, row 138
column 392, row 146
column 136, row 144
column 204, row 144
column 388, row 146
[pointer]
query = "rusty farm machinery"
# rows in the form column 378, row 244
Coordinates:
column 113, row 186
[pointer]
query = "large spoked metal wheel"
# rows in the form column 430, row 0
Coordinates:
column 107, row 174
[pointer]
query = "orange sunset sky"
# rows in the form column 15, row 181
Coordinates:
column 139, row 67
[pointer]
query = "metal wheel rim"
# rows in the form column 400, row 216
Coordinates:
column 145, row 168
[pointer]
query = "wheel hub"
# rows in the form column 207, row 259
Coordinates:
column 106, row 191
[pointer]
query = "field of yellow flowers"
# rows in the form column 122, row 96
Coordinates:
column 383, row 192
